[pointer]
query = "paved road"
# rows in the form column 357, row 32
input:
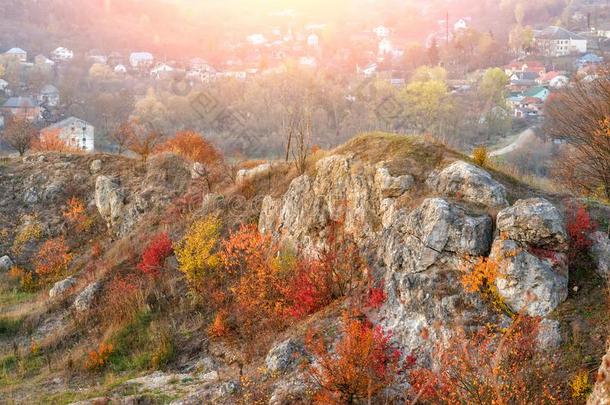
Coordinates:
column 523, row 138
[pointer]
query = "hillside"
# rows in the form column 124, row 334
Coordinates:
column 171, row 282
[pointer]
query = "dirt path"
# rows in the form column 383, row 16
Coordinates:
column 520, row 141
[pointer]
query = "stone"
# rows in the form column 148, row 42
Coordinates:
column 30, row 196
column 469, row 183
column 109, row 200
column 5, row 263
column 95, row 166
column 269, row 216
column 549, row 334
column 390, row 186
column 284, row 356
column 535, row 222
column 61, row 287
column 601, row 389
column 85, row 298
column 248, row 174
column 416, row 240
column 526, row 282
column 53, row 190
column 600, row 252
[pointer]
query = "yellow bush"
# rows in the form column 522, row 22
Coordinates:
column 31, row 231
column 480, row 155
column 580, row 385
column 97, row 359
column 195, row 252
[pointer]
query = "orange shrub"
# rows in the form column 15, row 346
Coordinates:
column 50, row 141
column 483, row 275
column 97, row 359
column 76, row 215
column 362, row 364
column 53, row 257
column 219, row 327
column 249, row 257
column 489, row 368
column 191, row 146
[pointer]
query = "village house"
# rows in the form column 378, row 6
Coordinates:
column 97, row 56
column 381, row 31
column 141, row 60
column 75, row 132
column 23, row 107
column 3, row 85
column 588, row 60
column 49, row 96
column 556, row 42
column 120, row 69
column 161, row 71
column 18, row 54
column 62, row 54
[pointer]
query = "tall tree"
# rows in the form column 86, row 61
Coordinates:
column 19, row 134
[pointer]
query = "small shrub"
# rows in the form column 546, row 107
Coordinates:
column 123, row 299
column 375, row 297
column 480, row 156
column 580, row 385
column 219, row 328
column 482, row 276
column 98, row 359
column 53, row 257
column 489, row 367
column 76, row 215
column 155, row 254
column 192, row 146
column 580, row 226
column 363, row 363
column 32, row 230
column 195, row 252
column 310, row 289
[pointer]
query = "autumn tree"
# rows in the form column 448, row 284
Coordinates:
column 19, row 135
column 580, row 116
column 362, row 364
column 196, row 251
column 192, row 146
column 50, row 141
column 122, row 136
column 145, row 140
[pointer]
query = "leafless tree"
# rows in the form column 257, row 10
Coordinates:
column 299, row 134
column 19, row 134
column 580, row 116
column 122, row 136
column 144, row 140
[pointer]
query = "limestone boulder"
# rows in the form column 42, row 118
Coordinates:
column 469, row 183
column 535, row 222
column 527, row 282
column 61, row 287
column 436, row 229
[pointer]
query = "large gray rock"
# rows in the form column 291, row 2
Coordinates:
column 436, row 229
column 109, row 200
column 61, row 287
column 526, row 282
column 535, row 222
column 284, row 356
column 5, row 263
column 84, row 300
column 600, row 251
column 469, row 183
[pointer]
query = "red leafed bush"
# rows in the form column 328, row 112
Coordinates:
column 580, row 226
column 310, row 289
column 153, row 258
column 363, row 363
column 53, row 257
column 123, row 298
column 375, row 297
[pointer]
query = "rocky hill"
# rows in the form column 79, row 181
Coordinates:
column 422, row 218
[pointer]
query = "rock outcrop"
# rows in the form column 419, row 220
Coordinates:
column 284, row 356
column 61, row 287
column 85, row 298
column 109, row 200
column 470, row 183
